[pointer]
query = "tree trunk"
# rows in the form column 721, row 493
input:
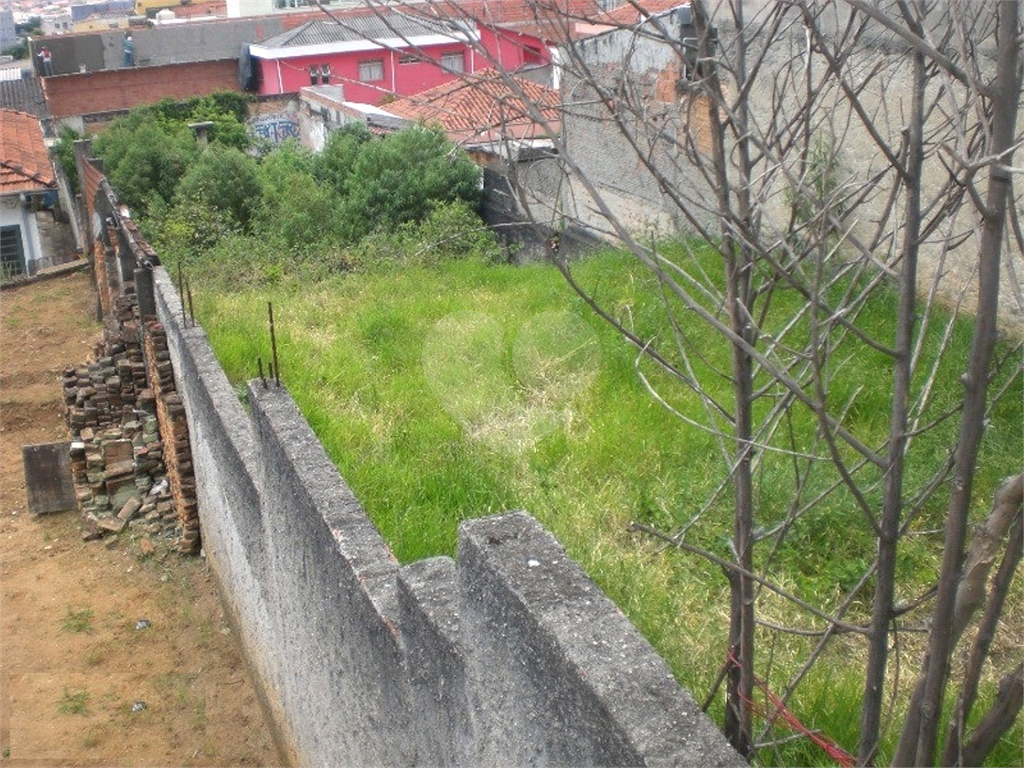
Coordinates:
column 918, row 738
column 892, row 505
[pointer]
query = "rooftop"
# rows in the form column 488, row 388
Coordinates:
column 484, row 108
column 24, row 94
column 384, row 26
column 634, row 11
column 24, row 163
column 551, row 20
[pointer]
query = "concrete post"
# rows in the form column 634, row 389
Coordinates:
column 144, row 291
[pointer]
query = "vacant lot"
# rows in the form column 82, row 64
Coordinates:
column 80, row 684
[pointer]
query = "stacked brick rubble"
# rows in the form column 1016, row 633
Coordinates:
column 170, row 414
column 118, row 460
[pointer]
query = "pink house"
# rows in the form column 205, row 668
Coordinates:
column 375, row 56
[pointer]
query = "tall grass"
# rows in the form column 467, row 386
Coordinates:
column 360, row 354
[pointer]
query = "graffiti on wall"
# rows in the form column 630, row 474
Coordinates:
column 275, row 128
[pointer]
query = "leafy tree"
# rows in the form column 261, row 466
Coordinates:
column 145, row 158
column 188, row 229
column 295, row 205
column 403, row 176
column 227, row 129
column 336, row 161
column 226, row 179
column 19, row 51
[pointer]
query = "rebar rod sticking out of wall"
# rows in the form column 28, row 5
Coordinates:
column 181, row 294
column 191, row 312
column 259, row 367
column 276, row 373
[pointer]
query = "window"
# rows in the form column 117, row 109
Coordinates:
column 408, row 60
column 321, row 74
column 532, row 55
column 370, row 71
column 12, row 258
column 453, row 62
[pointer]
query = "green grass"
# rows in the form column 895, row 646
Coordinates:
column 77, row 620
column 74, row 703
column 427, row 389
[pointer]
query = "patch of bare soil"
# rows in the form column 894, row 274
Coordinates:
column 111, row 653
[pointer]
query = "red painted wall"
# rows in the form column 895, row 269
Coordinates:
column 117, row 89
column 509, row 50
column 288, row 75
column 512, row 50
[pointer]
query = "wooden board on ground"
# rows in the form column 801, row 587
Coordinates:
column 48, row 483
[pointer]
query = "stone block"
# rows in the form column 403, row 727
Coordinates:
column 118, row 450
column 130, row 508
column 111, row 524
column 121, row 491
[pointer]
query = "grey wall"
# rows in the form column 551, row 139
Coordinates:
column 508, row 655
column 201, row 40
column 613, row 153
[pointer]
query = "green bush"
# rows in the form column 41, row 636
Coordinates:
column 64, row 152
column 295, row 206
column 335, row 163
column 189, row 228
column 226, row 179
column 145, row 159
column 402, row 177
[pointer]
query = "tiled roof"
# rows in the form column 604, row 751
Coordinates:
column 24, row 163
column 551, row 20
column 358, row 27
column 24, row 94
column 484, row 107
column 629, row 13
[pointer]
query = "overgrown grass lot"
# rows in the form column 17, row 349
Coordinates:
column 450, row 389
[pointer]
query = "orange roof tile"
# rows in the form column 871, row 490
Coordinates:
column 483, row 107
column 24, row 163
column 551, row 20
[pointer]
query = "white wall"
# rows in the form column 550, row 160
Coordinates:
column 13, row 212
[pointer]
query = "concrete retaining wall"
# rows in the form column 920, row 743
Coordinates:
column 509, row 655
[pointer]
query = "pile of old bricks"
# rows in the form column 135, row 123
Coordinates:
column 119, row 458
column 170, row 412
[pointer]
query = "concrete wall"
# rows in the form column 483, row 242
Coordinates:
column 509, row 655
column 652, row 126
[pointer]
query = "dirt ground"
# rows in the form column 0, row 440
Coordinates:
column 83, row 679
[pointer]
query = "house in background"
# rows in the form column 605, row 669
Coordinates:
column 488, row 114
column 376, row 56
column 28, row 192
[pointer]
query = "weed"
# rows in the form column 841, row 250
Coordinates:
column 205, row 633
column 353, row 351
column 199, row 714
column 92, row 739
column 94, row 658
column 74, row 702
column 77, row 620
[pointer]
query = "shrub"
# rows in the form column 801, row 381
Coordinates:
column 402, row 177
column 226, row 179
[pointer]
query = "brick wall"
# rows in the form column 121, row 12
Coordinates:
column 170, row 414
column 119, row 89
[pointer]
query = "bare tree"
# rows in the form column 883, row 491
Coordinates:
column 833, row 150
